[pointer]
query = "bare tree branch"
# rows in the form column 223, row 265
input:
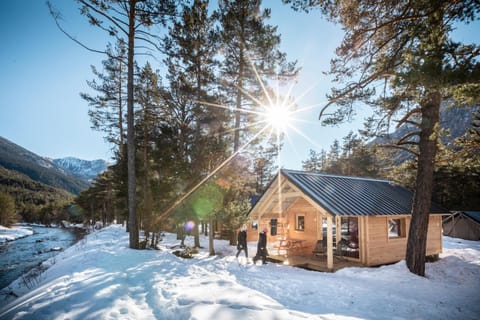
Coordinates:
column 408, row 115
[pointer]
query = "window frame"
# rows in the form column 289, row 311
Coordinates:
column 297, row 224
column 401, row 228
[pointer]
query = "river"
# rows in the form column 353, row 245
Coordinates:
column 19, row 256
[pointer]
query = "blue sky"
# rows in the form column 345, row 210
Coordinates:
column 43, row 72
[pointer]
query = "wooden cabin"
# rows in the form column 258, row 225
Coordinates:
column 462, row 224
column 338, row 218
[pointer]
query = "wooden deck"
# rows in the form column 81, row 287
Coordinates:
column 318, row 263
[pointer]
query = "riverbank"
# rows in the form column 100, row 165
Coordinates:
column 24, row 249
column 22, row 230
column 14, row 233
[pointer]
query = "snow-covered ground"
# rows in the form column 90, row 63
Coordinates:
column 13, row 233
column 101, row 278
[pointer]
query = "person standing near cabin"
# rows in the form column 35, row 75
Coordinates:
column 261, row 247
column 242, row 242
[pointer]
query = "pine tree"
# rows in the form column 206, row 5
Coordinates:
column 191, row 46
column 333, row 164
column 149, row 116
column 350, row 144
column 108, row 106
column 127, row 21
column 7, row 210
column 316, row 161
column 251, row 56
column 264, row 167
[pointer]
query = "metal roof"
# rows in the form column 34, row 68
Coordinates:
column 474, row 215
column 347, row 196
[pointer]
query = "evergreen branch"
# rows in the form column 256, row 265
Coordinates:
column 351, row 89
column 56, row 17
column 103, row 14
column 394, row 146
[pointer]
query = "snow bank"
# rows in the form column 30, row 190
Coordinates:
column 101, row 278
column 13, row 233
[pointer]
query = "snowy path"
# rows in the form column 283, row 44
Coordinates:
column 101, row 278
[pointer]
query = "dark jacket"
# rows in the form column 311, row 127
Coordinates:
column 262, row 241
column 242, row 239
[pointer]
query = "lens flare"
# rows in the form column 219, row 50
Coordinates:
column 278, row 117
column 189, row 225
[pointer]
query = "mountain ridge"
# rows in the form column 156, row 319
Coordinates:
column 454, row 121
column 86, row 170
column 16, row 158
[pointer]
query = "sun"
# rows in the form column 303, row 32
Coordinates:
column 278, row 117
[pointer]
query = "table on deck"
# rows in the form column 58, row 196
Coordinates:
column 289, row 245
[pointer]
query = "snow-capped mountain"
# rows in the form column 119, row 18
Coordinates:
column 16, row 158
column 83, row 169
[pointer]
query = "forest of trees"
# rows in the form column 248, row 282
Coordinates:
column 24, row 199
column 186, row 120
column 180, row 133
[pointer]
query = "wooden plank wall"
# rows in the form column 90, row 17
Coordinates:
column 301, row 206
column 381, row 249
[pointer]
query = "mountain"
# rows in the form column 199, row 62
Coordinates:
column 454, row 120
column 29, row 193
column 83, row 169
column 13, row 157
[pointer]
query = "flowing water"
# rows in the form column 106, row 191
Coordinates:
column 19, row 256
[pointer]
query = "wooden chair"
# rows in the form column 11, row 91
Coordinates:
column 320, row 248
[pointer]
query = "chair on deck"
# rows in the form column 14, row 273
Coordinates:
column 320, row 248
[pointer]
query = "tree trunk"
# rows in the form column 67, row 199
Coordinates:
column 238, row 107
column 147, row 220
column 196, row 233
column 132, row 214
column 210, row 237
column 233, row 237
column 417, row 237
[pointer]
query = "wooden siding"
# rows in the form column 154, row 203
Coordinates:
column 381, row 249
column 434, row 236
column 310, row 233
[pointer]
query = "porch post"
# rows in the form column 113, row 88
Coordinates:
column 329, row 243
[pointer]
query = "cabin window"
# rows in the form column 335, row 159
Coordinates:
column 273, row 227
column 255, row 224
column 300, row 222
column 396, row 228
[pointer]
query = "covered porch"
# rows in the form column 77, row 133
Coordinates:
column 301, row 232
